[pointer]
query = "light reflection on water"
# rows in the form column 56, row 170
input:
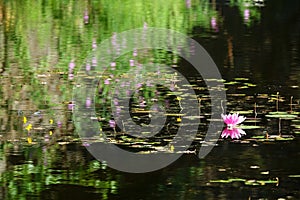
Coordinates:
column 255, row 47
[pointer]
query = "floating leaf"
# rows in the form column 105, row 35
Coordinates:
column 294, row 176
column 241, row 79
column 174, row 114
column 236, row 95
column 249, row 127
column 265, row 173
column 243, row 87
column 253, row 120
column 220, row 181
column 258, row 137
column 245, row 111
column 237, row 180
column 282, row 115
column 285, row 137
column 250, row 84
column 231, row 83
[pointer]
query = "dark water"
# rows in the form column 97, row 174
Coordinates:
column 256, row 46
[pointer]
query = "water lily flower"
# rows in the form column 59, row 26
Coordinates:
column 233, row 133
column 232, row 120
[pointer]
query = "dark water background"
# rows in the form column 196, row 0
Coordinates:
column 41, row 38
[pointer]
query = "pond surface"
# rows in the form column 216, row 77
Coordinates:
column 43, row 45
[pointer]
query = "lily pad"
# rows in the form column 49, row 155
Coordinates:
column 237, row 179
column 243, row 87
column 296, row 126
column 220, row 181
column 282, row 115
column 236, row 95
column 294, row 176
column 249, row 127
column 253, row 120
column 250, row 84
column 243, row 112
column 247, row 182
column 231, row 83
column 241, row 79
column 258, row 137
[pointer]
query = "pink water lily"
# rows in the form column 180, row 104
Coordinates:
column 233, row 133
column 232, row 120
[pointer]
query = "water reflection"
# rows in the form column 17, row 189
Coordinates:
column 42, row 45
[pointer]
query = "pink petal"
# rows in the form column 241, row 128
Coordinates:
column 234, row 133
column 241, row 131
column 241, row 119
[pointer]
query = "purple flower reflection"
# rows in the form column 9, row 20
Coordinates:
column 145, row 26
column 94, row 62
column 114, row 39
column 86, row 17
column 85, row 144
column 94, row 45
column 71, row 65
column 149, row 84
column 88, row 67
column 112, row 123
column 71, row 105
column 135, row 52
column 188, row 3
column 106, row 82
column 213, row 23
column 131, row 62
column 246, row 15
column 138, row 85
column 172, row 86
column 71, row 76
column 113, row 65
column 59, row 124
column 88, row 102
column 116, row 102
